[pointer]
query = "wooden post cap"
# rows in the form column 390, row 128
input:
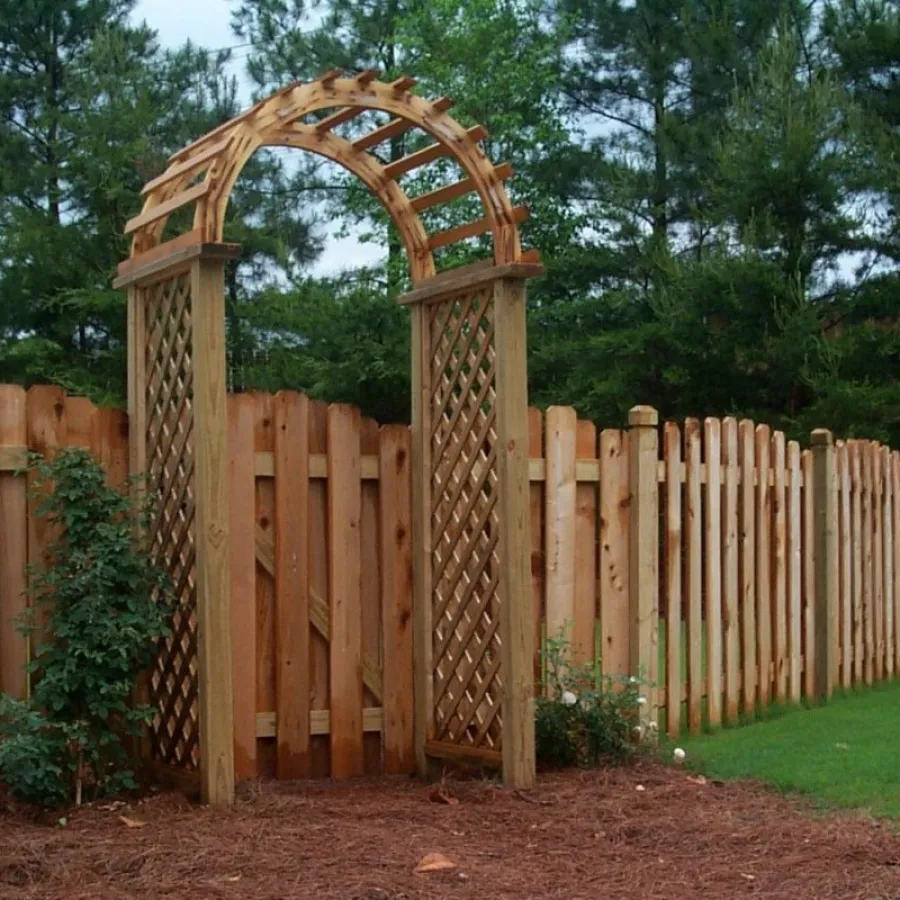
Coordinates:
column 822, row 437
column 643, row 416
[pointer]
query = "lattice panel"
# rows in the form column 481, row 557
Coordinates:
column 170, row 465
column 464, row 527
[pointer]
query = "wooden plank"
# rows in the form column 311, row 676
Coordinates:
column 517, row 649
column 109, row 444
column 264, row 441
column 809, row 569
column 779, row 568
column 473, row 229
column 825, row 525
column 370, row 597
column 465, row 279
column 429, row 154
column 878, row 556
column 536, row 502
column 763, row 564
column 167, row 207
column 47, row 430
column 713, row 553
column 78, row 414
column 868, row 572
column 158, row 255
column 730, row 592
column 895, row 551
column 320, row 722
column 795, row 575
column 747, row 462
column 694, row 574
column 202, row 160
column 213, row 573
column 453, row 191
column 586, row 541
column 856, row 526
column 320, row 699
column 673, row 532
column 559, row 494
column 344, row 511
column 150, row 267
column 643, row 554
column 13, row 547
column 845, row 539
column 242, row 532
column 13, row 458
column 615, row 500
column 395, row 530
column 889, row 498
column 292, row 689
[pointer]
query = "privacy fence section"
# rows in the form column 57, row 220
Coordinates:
column 716, row 560
column 724, row 565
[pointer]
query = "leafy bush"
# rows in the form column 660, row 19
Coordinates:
column 97, row 611
column 583, row 717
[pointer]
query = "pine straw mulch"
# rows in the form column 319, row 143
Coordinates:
column 578, row 835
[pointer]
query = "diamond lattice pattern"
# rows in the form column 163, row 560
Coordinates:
column 464, row 528
column 170, row 464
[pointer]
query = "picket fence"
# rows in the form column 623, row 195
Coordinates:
column 688, row 554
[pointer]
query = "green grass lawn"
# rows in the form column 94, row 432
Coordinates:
column 844, row 754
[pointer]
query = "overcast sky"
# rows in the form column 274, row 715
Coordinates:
column 207, row 23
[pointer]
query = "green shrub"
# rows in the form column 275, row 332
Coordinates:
column 584, row 718
column 100, row 607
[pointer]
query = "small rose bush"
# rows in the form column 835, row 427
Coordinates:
column 583, row 717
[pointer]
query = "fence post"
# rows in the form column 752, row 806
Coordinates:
column 643, row 554
column 825, row 553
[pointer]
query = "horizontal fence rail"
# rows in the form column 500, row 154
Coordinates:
column 700, row 555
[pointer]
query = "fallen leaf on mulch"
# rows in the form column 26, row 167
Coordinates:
column 131, row 823
column 748, row 877
column 697, row 779
column 439, row 795
column 434, row 862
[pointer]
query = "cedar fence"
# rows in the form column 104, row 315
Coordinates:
column 725, row 564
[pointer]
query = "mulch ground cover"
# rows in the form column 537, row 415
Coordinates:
column 645, row 831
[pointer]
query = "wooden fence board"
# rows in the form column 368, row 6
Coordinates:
column 586, row 494
column 109, row 443
column 672, row 576
column 895, row 551
column 344, row 511
column 878, row 555
column 713, row 554
column 795, row 575
column 779, row 567
column 78, row 413
column 842, row 463
column 536, row 502
column 614, row 531
column 763, row 564
column 856, row 501
column 242, row 534
column 13, row 546
column 395, row 529
column 888, row 560
column 694, row 579
column 730, row 585
column 868, row 573
column 559, row 513
column 809, row 574
column 292, row 710
column 747, row 449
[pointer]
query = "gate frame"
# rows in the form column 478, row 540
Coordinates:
column 202, row 175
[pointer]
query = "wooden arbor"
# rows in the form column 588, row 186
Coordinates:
column 474, row 691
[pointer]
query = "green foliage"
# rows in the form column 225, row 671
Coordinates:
column 582, row 717
column 98, row 609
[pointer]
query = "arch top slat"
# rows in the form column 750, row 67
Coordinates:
column 278, row 120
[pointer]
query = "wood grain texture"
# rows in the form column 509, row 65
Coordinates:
column 763, row 564
column 242, row 534
column 344, row 510
column 868, row 562
column 794, row 576
column 211, row 536
column 825, row 526
column 809, row 570
column 845, row 542
column 713, row 570
column 13, row 547
column 747, row 453
column 779, row 566
column 292, row 628
column 856, row 525
column 889, row 498
column 586, row 543
column 694, row 573
column 730, row 583
column 672, row 576
column 878, row 556
column 536, row 503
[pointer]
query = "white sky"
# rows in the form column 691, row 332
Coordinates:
column 207, row 23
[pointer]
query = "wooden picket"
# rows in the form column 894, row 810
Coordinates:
column 320, row 536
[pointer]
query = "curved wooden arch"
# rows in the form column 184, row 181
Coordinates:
column 203, row 174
